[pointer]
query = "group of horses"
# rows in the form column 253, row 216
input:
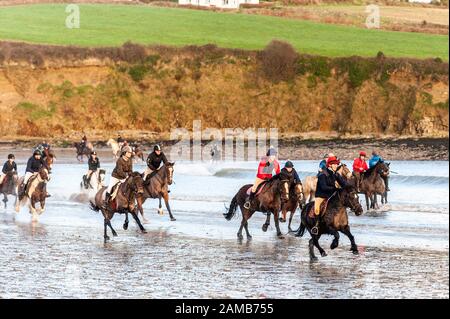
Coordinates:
column 35, row 191
column 278, row 195
column 85, row 149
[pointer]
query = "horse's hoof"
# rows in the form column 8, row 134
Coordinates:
column 334, row 244
column 314, row 258
column 354, row 250
column 282, row 220
column 297, row 235
column 107, row 238
column 114, row 234
column 249, row 237
column 144, row 231
column 280, row 236
column 125, row 226
column 240, row 237
column 264, row 228
column 173, row 219
column 160, row 212
column 323, row 254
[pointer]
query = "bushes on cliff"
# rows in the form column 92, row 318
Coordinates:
column 278, row 61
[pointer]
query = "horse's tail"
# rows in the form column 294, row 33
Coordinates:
column 94, row 207
column 232, row 209
column 301, row 230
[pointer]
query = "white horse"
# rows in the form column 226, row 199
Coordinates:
column 115, row 148
column 35, row 192
column 96, row 180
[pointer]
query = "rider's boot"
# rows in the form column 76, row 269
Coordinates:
column 249, row 200
column 107, row 199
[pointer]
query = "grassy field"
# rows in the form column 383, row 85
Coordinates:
column 111, row 25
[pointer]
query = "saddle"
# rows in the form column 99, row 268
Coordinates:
column 258, row 189
column 323, row 208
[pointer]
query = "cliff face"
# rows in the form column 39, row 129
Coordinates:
column 161, row 88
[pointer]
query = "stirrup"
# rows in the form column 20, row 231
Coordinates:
column 247, row 204
column 315, row 229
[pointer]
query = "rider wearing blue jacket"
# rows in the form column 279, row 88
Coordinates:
column 376, row 158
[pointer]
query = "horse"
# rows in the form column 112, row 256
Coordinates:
column 83, row 150
column 48, row 157
column 138, row 152
column 36, row 191
column 123, row 203
column 332, row 221
column 95, row 182
column 115, row 148
column 9, row 187
column 370, row 184
column 268, row 201
column 157, row 186
column 296, row 199
column 310, row 182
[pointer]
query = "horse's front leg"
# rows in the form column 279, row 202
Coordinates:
column 140, row 203
column 136, row 218
column 166, row 201
column 367, row 201
column 125, row 223
column 5, row 199
column 276, row 214
column 160, row 211
column 335, row 242
column 354, row 247
column 315, row 239
column 244, row 223
column 290, row 220
column 32, row 207
column 267, row 223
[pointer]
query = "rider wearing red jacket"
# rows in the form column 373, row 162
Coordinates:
column 266, row 166
column 359, row 167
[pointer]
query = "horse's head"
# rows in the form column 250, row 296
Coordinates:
column 349, row 198
column 344, row 171
column 137, row 183
column 169, row 172
column 49, row 159
column 101, row 175
column 382, row 169
column 43, row 174
column 284, row 189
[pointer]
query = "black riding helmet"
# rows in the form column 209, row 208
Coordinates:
column 289, row 164
column 11, row 156
column 156, row 147
column 37, row 152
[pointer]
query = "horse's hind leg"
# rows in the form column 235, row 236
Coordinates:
column 136, row 218
column 105, row 230
column 312, row 256
column 354, row 247
column 277, row 225
column 246, row 230
column 166, row 201
column 125, row 223
column 108, row 222
column 5, row 199
column 290, row 221
column 316, row 243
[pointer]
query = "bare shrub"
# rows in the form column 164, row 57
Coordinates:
column 278, row 61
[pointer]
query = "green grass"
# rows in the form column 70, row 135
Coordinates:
column 112, row 25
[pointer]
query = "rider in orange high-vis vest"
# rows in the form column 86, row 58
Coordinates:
column 266, row 167
column 359, row 167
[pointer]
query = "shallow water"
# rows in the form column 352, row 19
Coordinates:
column 403, row 247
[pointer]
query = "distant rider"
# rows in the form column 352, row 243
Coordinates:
column 9, row 168
column 326, row 186
column 289, row 173
column 359, row 167
column 93, row 166
column 374, row 160
column 267, row 165
column 124, row 167
column 154, row 161
column 323, row 163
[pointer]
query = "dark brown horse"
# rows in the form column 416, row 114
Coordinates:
column 371, row 185
column 123, row 203
column 83, row 150
column 332, row 221
column 36, row 191
column 9, row 187
column 296, row 199
column 157, row 186
column 268, row 201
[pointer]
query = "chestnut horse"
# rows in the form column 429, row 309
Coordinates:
column 157, row 186
column 267, row 201
column 123, row 203
column 296, row 199
column 332, row 221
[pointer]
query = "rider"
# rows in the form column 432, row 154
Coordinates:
column 124, row 167
column 34, row 164
column 93, row 166
column 327, row 184
column 266, row 166
column 359, row 167
column 154, row 160
column 10, row 167
column 83, row 141
column 288, row 172
column 323, row 163
column 376, row 158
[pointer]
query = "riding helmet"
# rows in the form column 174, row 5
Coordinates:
column 10, row 156
column 94, row 153
column 362, row 153
column 333, row 160
column 271, row 152
column 156, row 147
column 289, row 164
column 37, row 152
column 126, row 149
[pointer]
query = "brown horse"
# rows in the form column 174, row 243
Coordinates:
column 296, row 199
column 268, row 201
column 310, row 182
column 370, row 184
column 333, row 220
column 123, row 203
column 9, row 187
column 157, row 186
column 49, row 157
column 138, row 152
column 83, row 150
column 36, row 191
